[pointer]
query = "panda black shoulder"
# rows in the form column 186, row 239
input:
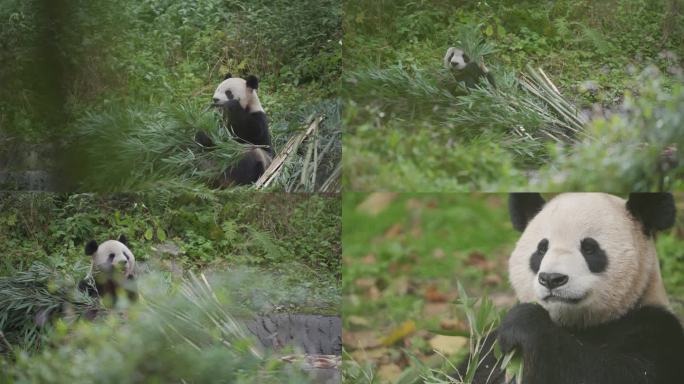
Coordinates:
column 656, row 332
column 654, row 320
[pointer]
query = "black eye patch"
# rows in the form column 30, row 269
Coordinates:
column 111, row 257
column 538, row 255
column 126, row 255
column 593, row 254
column 229, row 94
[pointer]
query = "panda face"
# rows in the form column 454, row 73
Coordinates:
column 456, row 59
column 242, row 91
column 231, row 89
column 586, row 259
column 112, row 257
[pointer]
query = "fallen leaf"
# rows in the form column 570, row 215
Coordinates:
column 376, row 203
column 416, row 231
column 479, row 261
column 414, row 204
column 399, row 286
column 373, row 354
column 358, row 321
column 389, row 372
column 453, row 325
column 438, row 253
column 368, row 286
column 435, row 309
column 365, row 282
column 448, row 345
column 393, row 231
column 399, row 333
column 433, row 295
column 492, row 279
column 369, row 259
column 360, row 339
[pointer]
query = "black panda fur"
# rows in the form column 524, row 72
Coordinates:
column 248, row 127
column 105, row 281
column 643, row 346
column 248, row 124
column 469, row 72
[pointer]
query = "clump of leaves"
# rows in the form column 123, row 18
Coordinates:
column 31, row 300
column 127, row 148
column 638, row 148
column 472, row 42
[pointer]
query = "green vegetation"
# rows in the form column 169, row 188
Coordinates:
column 260, row 252
column 411, row 127
column 404, row 257
column 189, row 333
column 124, row 86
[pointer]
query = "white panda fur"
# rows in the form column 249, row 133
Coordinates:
column 112, row 267
column 455, row 58
column 238, row 100
column 246, row 96
column 618, row 329
column 245, row 116
column 466, row 70
column 632, row 273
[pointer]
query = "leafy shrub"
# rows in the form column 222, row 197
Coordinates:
column 636, row 149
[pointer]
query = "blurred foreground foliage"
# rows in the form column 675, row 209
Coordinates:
column 192, row 331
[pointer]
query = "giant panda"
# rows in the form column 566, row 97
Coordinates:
column 465, row 70
column 112, row 270
column 244, row 115
column 593, row 306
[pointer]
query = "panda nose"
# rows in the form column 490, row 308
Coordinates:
column 216, row 100
column 552, row 280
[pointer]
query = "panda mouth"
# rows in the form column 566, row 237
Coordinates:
column 552, row 298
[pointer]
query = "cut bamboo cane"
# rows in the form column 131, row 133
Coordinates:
column 291, row 147
column 332, row 183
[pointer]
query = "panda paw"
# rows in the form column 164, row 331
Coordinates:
column 233, row 104
column 523, row 326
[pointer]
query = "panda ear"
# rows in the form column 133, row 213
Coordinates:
column 523, row 207
column 91, row 247
column 227, row 76
column 252, row 82
column 656, row 211
column 123, row 240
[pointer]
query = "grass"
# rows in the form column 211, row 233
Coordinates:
column 409, row 128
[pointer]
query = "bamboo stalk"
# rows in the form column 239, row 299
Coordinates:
column 549, row 81
column 291, row 147
column 332, row 183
